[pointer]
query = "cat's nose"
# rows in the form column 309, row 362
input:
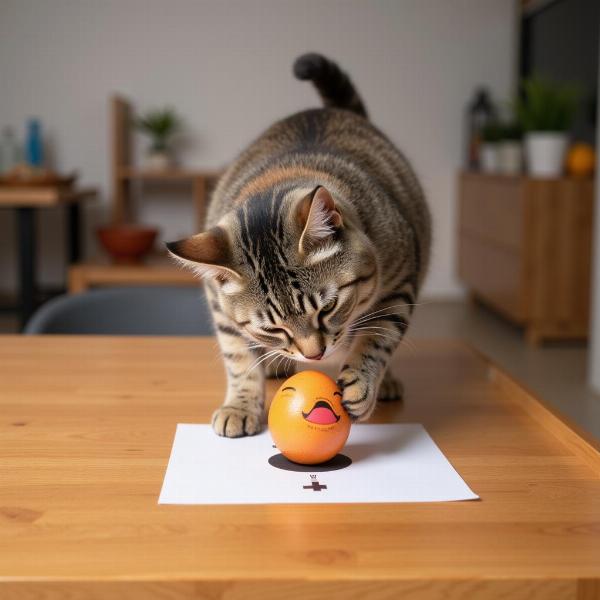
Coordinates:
column 311, row 347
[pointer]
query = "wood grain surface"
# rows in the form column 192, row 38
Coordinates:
column 86, row 427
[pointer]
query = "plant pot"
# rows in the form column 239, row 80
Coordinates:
column 488, row 157
column 510, row 157
column 157, row 161
column 545, row 153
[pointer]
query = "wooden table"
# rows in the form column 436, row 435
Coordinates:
column 86, row 426
column 26, row 199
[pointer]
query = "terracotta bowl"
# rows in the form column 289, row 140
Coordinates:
column 127, row 244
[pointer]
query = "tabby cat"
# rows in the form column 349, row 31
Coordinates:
column 318, row 240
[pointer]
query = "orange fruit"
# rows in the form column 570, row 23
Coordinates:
column 307, row 420
column 581, row 160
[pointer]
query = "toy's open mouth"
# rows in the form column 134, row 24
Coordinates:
column 321, row 413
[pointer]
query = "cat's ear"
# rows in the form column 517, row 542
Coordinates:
column 319, row 218
column 208, row 254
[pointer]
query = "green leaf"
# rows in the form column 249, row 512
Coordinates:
column 546, row 106
column 160, row 125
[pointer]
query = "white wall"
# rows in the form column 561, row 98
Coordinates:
column 225, row 65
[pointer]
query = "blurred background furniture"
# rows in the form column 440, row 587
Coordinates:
column 26, row 199
column 158, row 269
column 124, row 173
column 525, row 250
column 154, row 271
column 125, row 311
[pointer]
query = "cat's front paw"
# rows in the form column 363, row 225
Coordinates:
column 232, row 422
column 358, row 393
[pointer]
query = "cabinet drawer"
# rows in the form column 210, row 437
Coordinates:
column 492, row 208
column 493, row 272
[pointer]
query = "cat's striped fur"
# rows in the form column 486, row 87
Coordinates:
column 318, row 240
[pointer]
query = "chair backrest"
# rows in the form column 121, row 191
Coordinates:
column 125, row 311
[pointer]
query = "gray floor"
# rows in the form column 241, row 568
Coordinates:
column 557, row 373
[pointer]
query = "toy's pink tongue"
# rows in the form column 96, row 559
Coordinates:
column 321, row 415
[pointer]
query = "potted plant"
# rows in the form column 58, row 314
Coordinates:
column 160, row 126
column 510, row 151
column 545, row 112
column 490, row 136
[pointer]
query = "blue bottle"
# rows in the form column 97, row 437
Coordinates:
column 34, row 151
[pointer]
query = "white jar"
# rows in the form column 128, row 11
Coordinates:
column 488, row 157
column 510, row 157
column 545, row 153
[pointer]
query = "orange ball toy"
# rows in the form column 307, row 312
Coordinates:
column 307, row 420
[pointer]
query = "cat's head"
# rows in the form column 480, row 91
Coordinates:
column 290, row 268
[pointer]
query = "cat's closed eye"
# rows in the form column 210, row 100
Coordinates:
column 278, row 331
column 329, row 306
column 268, row 340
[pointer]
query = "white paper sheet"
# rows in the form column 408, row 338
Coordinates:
column 390, row 463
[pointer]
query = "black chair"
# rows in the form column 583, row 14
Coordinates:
column 125, row 311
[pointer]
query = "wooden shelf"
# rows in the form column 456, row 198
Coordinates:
column 34, row 195
column 157, row 269
column 123, row 171
column 169, row 175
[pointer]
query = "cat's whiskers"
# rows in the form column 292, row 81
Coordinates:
column 260, row 360
column 409, row 344
column 277, row 363
column 374, row 328
column 257, row 363
column 273, row 359
column 389, row 307
column 290, row 362
column 372, row 331
column 264, row 357
column 374, row 315
column 281, row 359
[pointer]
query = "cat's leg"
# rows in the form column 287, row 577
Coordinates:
column 364, row 372
column 243, row 409
column 390, row 389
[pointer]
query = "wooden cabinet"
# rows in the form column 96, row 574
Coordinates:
column 525, row 250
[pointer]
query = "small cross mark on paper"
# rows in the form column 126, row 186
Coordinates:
column 315, row 486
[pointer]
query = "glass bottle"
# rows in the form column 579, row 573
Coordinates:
column 34, row 151
column 480, row 112
column 9, row 151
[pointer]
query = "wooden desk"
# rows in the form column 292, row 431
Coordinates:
column 86, row 426
column 26, row 199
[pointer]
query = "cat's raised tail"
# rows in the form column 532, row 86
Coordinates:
column 334, row 86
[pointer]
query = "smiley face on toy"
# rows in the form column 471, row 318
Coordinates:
column 307, row 420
